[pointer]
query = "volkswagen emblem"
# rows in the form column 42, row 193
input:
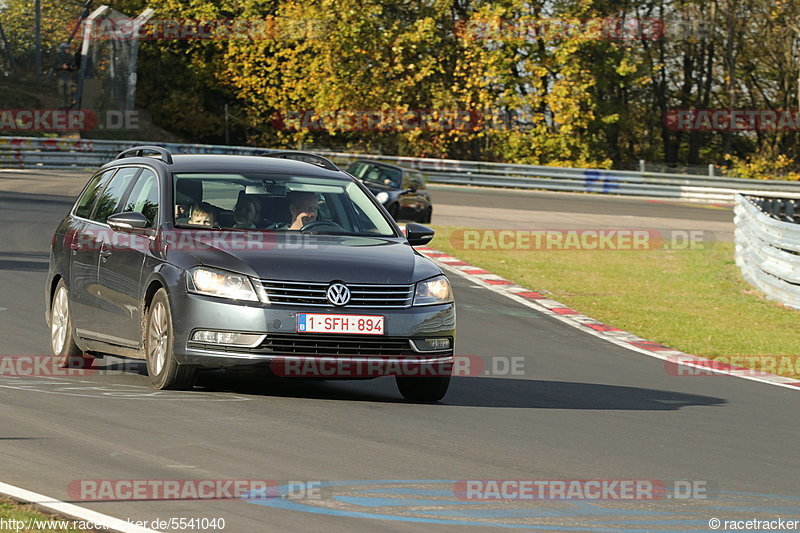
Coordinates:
column 338, row 294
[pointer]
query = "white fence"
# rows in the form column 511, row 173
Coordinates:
column 768, row 245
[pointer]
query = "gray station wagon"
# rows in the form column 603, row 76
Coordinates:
column 281, row 260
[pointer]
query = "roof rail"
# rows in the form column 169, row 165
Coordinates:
column 317, row 160
column 138, row 151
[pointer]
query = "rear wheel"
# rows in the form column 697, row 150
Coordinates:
column 66, row 353
column 162, row 368
column 423, row 389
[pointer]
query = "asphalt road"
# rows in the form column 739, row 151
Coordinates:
column 474, row 207
column 583, row 410
column 578, row 203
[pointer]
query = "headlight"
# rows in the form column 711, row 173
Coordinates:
column 212, row 282
column 382, row 197
column 433, row 291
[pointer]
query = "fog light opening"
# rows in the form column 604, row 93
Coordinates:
column 431, row 345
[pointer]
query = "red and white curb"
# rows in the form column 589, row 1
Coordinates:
column 591, row 326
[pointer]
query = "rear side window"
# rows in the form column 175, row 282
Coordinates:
column 85, row 204
column 108, row 201
column 144, row 197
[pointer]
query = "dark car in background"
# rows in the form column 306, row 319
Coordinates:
column 401, row 190
column 194, row 262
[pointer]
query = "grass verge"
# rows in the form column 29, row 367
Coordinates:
column 692, row 300
column 39, row 522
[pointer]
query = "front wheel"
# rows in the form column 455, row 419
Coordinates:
column 66, row 353
column 164, row 372
column 426, row 218
column 423, row 389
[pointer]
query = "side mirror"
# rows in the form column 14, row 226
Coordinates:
column 127, row 221
column 417, row 234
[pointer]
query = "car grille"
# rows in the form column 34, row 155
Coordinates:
column 335, row 345
column 323, row 346
column 361, row 295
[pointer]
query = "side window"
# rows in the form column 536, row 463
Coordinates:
column 108, row 201
column 390, row 176
column 144, row 197
column 373, row 173
column 417, row 181
column 84, row 205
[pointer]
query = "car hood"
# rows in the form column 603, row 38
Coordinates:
column 322, row 258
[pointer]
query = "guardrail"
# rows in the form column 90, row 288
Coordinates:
column 768, row 245
column 37, row 152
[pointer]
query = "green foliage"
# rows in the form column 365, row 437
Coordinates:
column 763, row 167
column 541, row 82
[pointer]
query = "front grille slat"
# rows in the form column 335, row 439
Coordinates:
column 361, row 295
column 334, row 345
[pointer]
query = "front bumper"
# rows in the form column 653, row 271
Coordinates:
column 282, row 343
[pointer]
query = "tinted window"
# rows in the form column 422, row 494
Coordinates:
column 144, row 197
column 108, row 201
column 84, row 205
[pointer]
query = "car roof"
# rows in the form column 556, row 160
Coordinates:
column 234, row 163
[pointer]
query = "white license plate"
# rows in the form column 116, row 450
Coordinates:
column 352, row 324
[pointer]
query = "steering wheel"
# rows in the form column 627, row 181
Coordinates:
column 319, row 224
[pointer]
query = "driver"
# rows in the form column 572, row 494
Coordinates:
column 303, row 208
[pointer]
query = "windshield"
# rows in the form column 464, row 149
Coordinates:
column 276, row 202
column 383, row 175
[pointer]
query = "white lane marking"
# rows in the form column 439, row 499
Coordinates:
column 3, row 308
column 81, row 513
column 570, row 320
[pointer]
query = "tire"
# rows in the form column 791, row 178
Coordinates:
column 162, row 369
column 394, row 210
column 423, row 389
column 426, row 218
column 66, row 353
